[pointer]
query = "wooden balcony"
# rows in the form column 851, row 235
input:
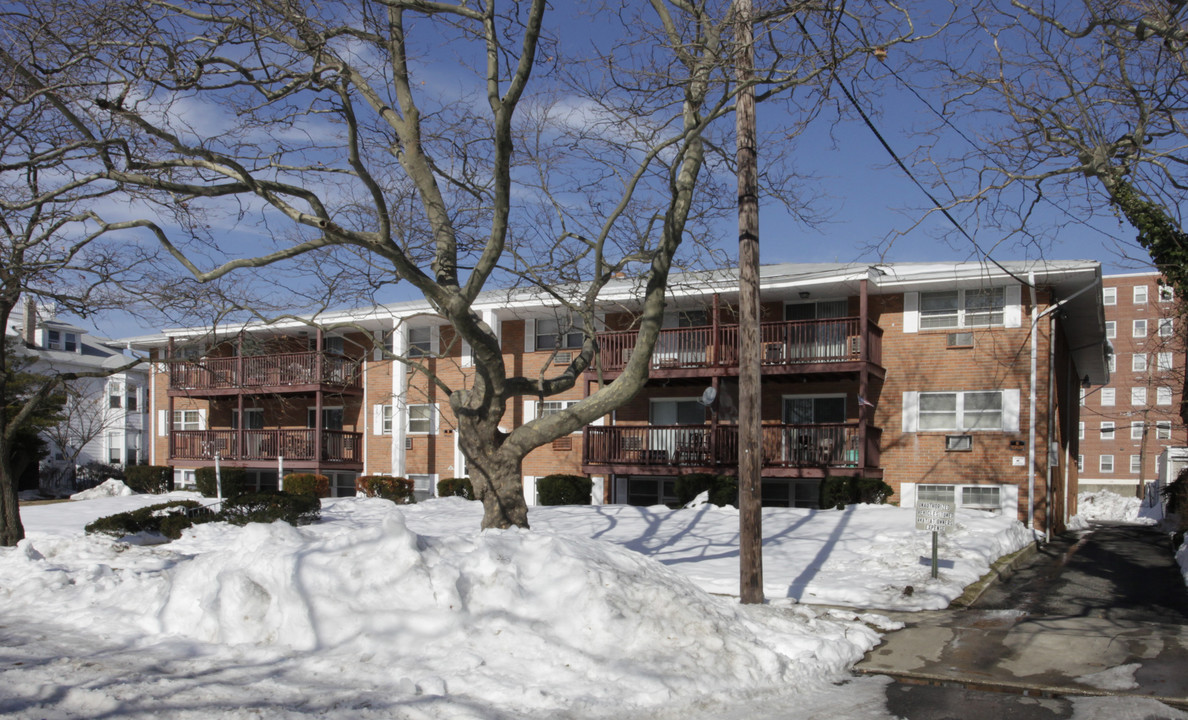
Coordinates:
column 788, row 450
column 284, row 372
column 297, row 445
column 837, row 345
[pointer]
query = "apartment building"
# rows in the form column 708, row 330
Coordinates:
column 105, row 418
column 948, row 381
column 1126, row 424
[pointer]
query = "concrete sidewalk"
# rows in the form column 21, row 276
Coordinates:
column 1063, row 621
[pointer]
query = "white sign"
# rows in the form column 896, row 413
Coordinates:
column 935, row 515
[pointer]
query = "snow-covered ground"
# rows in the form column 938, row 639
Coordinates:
column 1109, row 506
column 385, row 611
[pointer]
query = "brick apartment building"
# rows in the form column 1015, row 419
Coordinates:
column 948, row 381
column 1126, row 424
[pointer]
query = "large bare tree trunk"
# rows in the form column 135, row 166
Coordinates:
column 11, row 529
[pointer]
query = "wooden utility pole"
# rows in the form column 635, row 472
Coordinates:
column 750, row 439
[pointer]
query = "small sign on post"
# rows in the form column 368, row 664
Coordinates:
column 935, row 515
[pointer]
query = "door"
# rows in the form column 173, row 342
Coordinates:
column 664, row 441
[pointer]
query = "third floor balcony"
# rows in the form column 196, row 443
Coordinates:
column 280, row 372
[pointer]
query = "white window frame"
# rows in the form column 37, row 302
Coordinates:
column 1166, row 293
column 420, row 347
column 1081, row 431
column 1163, row 429
column 1140, row 294
column 1009, row 411
column 1139, row 328
column 1166, row 327
column 1164, row 361
column 1111, row 328
column 182, row 420
column 1163, row 395
column 1108, row 397
column 960, row 316
column 955, row 493
column 1138, row 362
column 1138, row 396
column 1136, row 464
column 1080, row 463
column 1105, row 464
column 431, row 420
column 1107, row 431
column 1109, row 296
column 550, row 327
column 1112, row 363
column 1136, row 429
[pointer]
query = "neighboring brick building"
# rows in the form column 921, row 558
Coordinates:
column 1126, row 424
column 922, row 374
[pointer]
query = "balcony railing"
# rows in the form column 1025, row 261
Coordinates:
column 791, row 342
column 260, row 371
column 297, row 444
column 792, row 446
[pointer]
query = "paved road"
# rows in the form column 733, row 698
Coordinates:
column 1094, row 613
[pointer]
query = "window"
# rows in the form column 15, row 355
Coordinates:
column 420, row 419
column 553, row 334
column 132, row 398
column 1136, row 464
column 552, row 407
column 422, row 486
column 1136, row 430
column 1138, row 396
column 1140, row 294
column 420, row 341
column 1166, row 294
column 1165, row 327
column 806, row 410
column 1105, row 464
column 962, row 308
column 980, row 496
column 58, row 340
column 1107, row 430
column 961, row 411
column 114, row 452
column 1107, row 396
column 1139, row 329
column 1109, row 296
column 1081, row 431
column 1163, row 396
column 1163, row 361
column 330, row 344
column 936, row 493
column 1138, row 362
column 1080, row 463
column 1163, row 429
column 187, row 420
column 1112, row 363
column 1084, row 392
column 114, row 401
column 1111, row 329
column 386, row 419
column 332, row 418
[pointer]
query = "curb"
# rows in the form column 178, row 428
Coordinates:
column 1002, row 569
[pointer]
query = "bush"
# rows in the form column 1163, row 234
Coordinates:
column 723, row 489
column 266, row 507
column 397, row 489
column 459, row 487
column 233, row 481
column 838, row 492
column 563, row 489
column 167, row 519
column 307, row 484
column 94, row 473
column 151, row 479
column 1175, row 494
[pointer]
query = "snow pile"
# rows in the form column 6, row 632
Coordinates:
column 1111, row 507
column 108, row 488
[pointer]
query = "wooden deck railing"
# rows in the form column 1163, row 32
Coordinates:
column 296, row 444
column 258, row 371
column 791, row 342
column 822, row 445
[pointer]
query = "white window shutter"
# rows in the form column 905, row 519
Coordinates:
column 202, row 419
column 467, row 355
column 377, row 342
column 529, row 335
column 911, row 411
column 1012, row 311
column 1010, row 410
column 162, row 423
column 911, row 312
column 435, row 339
column 434, row 419
column 530, row 490
column 377, row 419
column 907, row 495
column 529, row 411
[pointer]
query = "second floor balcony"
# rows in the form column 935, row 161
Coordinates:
column 281, row 372
column 836, row 344
column 297, row 445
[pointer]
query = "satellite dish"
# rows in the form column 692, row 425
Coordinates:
column 707, row 398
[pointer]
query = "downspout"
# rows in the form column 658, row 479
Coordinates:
column 1031, row 407
column 1051, row 408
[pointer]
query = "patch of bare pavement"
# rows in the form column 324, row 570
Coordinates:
column 1097, row 613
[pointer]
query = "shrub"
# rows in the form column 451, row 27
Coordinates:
column 459, row 487
column 1175, row 494
column 167, row 519
column 307, row 484
column 723, row 489
column 153, row 479
column 233, row 481
column 94, row 473
column 266, row 507
column 563, row 489
column 838, row 492
column 397, row 489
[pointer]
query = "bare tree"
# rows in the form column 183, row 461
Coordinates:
column 537, row 160
column 83, row 419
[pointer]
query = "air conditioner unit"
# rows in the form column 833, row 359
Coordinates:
column 960, row 339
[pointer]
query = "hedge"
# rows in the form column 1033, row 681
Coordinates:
column 563, row 489
column 838, row 492
column 307, row 484
column 233, row 481
column 459, row 487
column 149, row 479
column 267, row 507
column 167, row 519
column 723, row 489
column 397, row 489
